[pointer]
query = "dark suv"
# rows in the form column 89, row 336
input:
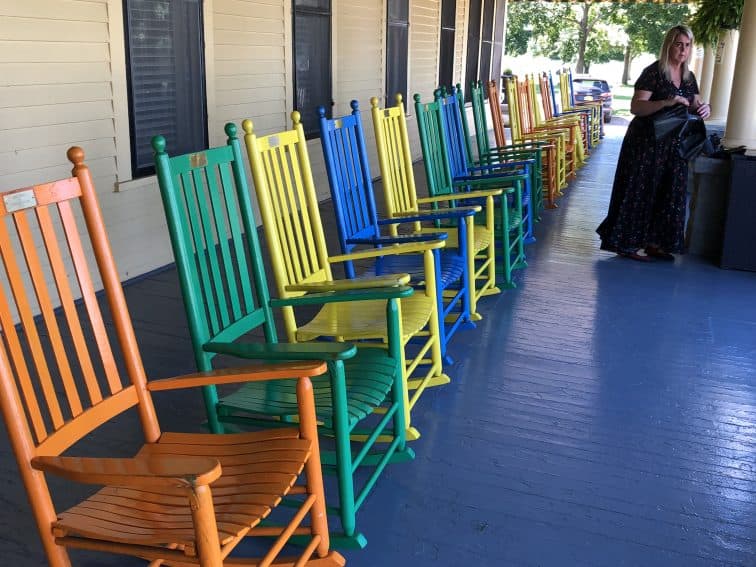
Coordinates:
column 604, row 92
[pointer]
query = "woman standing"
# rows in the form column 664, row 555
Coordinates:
column 646, row 215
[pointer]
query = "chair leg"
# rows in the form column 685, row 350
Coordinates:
column 205, row 528
column 345, row 474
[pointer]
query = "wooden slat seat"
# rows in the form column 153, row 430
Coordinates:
column 258, row 470
column 450, row 269
column 369, row 376
column 367, row 320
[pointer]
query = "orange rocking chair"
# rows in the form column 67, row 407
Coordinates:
column 184, row 498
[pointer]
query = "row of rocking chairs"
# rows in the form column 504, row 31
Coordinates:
column 413, row 278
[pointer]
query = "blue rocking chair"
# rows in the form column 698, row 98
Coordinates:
column 358, row 224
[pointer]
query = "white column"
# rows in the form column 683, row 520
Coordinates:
column 741, row 118
column 696, row 60
column 724, row 67
column 707, row 73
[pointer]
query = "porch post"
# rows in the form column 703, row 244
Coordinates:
column 724, row 67
column 707, row 73
column 741, row 118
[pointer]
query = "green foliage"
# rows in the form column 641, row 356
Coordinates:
column 553, row 29
column 646, row 24
column 713, row 16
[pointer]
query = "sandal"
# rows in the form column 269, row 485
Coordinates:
column 660, row 254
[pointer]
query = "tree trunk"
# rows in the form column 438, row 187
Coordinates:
column 580, row 67
column 626, row 68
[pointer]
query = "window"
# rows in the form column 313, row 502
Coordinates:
column 397, row 48
column 446, row 51
column 166, row 78
column 473, row 45
column 312, row 61
column 500, row 24
column 486, row 41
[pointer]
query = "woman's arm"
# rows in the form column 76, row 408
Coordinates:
column 641, row 105
column 703, row 109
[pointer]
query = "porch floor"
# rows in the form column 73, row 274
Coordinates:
column 602, row 413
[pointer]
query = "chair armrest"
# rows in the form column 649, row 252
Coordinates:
column 435, row 214
column 497, row 166
column 153, row 471
column 372, row 282
column 251, row 373
column 388, row 251
column 398, row 239
column 461, row 196
column 342, row 296
column 284, row 351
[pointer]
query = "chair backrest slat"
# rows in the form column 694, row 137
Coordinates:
column 289, row 206
column 395, row 159
column 433, row 141
column 497, row 119
column 59, row 372
column 69, row 308
column 349, row 178
column 214, row 237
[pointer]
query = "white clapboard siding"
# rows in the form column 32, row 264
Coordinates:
column 249, row 46
column 425, row 30
column 460, row 40
column 359, row 61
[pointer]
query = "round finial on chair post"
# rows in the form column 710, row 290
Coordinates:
column 231, row 130
column 416, row 97
column 321, row 111
column 354, row 104
column 158, row 144
column 296, row 117
column 76, row 156
column 248, row 127
column 373, row 102
column 399, row 99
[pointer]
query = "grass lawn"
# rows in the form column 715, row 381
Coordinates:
column 621, row 96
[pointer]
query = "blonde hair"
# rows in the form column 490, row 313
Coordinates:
column 666, row 47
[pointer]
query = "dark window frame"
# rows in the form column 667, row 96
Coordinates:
column 397, row 76
column 308, row 115
column 486, row 40
column 199, row 111
column 447, row 41
column 472, row 52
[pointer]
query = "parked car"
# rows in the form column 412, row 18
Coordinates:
column 591, row 88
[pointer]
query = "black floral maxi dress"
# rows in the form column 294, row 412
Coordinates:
column 648, row 199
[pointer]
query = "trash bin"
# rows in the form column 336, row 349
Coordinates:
column 739, row 234
column 709, row 185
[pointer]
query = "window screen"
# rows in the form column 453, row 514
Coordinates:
column 397, row 47
column 166, row 79
column 500, row 22
column 473, row 45
column 486, row 40
column 446, row 55
column 312, row 61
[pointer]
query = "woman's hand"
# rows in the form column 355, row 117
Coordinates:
column 673, row 100
column 703, row 110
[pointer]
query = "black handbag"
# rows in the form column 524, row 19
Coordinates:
column 669, row 119
column 689, row 128
column 692, row 137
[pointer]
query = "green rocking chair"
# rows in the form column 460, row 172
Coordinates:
column 215, row 242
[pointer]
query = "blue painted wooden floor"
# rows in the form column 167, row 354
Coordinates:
column 603, row 413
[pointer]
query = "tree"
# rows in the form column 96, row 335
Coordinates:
column 645, row 25
column 566, row 31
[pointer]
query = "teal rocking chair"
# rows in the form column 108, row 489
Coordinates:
column 215, row 242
